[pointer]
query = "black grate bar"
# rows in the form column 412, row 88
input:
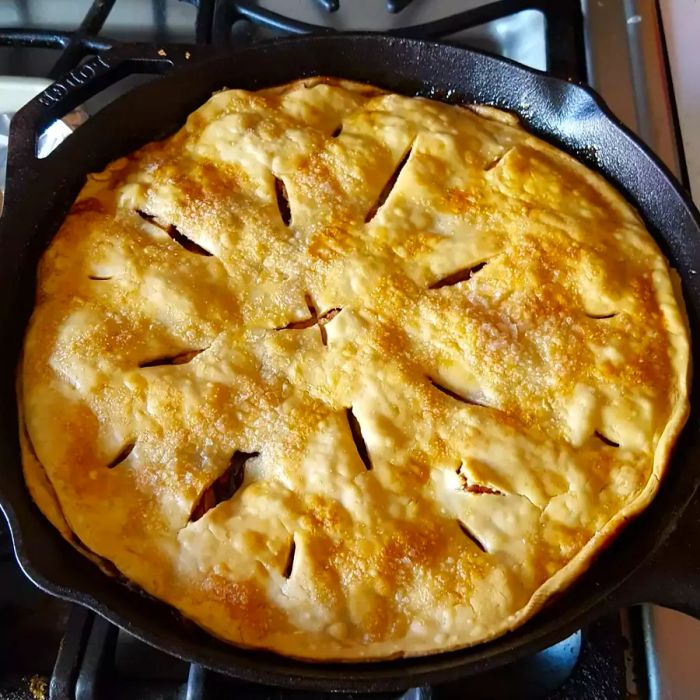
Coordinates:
column 97, row 660
column 70, row 654
column 95, row 17
column 160, row 18
column 566, row 50
column 77, row 49
column 37, row 38
column 273, row 20
column 204, row 20
column 47, row 39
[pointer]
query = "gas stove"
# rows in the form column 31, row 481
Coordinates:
column 50, row 648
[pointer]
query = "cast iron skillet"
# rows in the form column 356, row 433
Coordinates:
column 656, row 558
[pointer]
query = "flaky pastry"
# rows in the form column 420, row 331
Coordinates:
column 345, row 374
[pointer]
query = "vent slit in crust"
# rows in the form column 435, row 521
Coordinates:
column 328, row 316
column 181, row 358
column 454, row 395
column 172, row 231
column 298, row 325
column 360, row 444
column 314, row 319
column 283, row 201
column 305, row 322
column 107, row 566
column 456, row 277
column 99, row 278
column 148, row 217
column 605, row 439
column 337, row 131
column 470, row 535
column 325, row 318
column 289, row 565
column 497, row 160
column 602, row 317
column 472, row 487
column 386, row 190
column 188, row 244
column 122, row 454
column 324, row 335
column 311, row 307
column 30, row 445
column 224, row 487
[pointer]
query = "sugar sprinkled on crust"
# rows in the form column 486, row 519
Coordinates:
column 350, row 375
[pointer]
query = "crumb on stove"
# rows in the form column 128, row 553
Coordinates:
column 37, row 687
column 187, row 55
column 161, row 52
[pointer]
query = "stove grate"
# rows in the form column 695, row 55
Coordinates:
column 97, row 661
column 86, row 40
column 215, row 18
column 564, row 22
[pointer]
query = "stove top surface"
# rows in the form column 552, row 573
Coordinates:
column 52, row 648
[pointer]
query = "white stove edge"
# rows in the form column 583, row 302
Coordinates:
column 672, row 639
column 625, row 53
column 681, row 24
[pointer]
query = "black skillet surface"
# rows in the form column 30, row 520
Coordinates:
column 646, row 563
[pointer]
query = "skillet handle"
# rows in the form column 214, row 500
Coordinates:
column 76, row 87
column 671, row 577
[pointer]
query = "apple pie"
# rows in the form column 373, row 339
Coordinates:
column 345, row 374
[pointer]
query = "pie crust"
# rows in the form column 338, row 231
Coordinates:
column 345, row 374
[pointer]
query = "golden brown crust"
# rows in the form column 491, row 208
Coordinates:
column 350, row 375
